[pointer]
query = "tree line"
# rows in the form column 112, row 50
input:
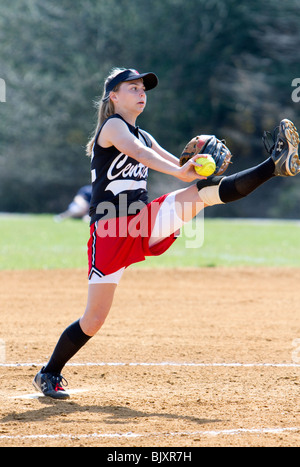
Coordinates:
column 226, row 67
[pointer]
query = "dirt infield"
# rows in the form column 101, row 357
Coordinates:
column 202, row 357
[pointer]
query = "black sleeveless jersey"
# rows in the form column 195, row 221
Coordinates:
column 117, row 179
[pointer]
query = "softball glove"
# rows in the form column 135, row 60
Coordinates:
column 208, row 144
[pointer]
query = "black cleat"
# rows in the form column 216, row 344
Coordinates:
column 284, row 151
column 50, row 385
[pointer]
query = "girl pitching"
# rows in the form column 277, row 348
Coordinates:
column 125, row 227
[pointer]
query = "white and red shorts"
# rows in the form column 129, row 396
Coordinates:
column 116, row 243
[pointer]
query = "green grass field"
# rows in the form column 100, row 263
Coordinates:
column 37, row 242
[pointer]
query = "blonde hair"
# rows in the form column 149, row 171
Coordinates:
column 104, row 108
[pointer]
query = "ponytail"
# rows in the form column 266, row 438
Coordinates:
column 105, row 109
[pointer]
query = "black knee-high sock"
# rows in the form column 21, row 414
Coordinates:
column 241, row 184
column 71, row 340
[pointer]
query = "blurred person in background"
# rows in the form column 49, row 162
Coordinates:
column 79, row 207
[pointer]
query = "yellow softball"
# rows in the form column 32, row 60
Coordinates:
column 208, row 166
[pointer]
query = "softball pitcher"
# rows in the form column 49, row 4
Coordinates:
column 125, row 227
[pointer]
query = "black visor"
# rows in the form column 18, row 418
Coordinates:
column 150, row 80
